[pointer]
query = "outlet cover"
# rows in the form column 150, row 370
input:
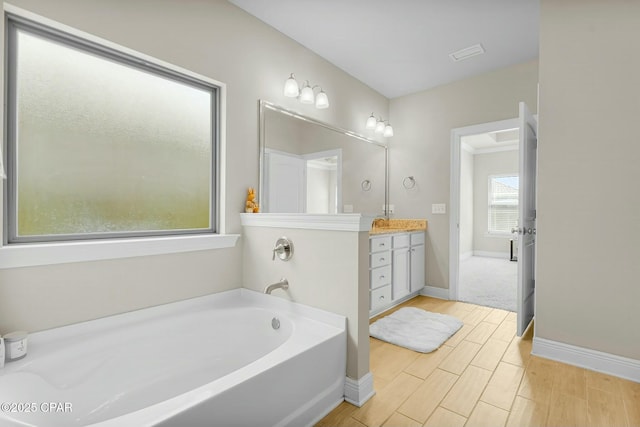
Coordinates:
column 388, row 211
column 347, row 209
column 439, row 208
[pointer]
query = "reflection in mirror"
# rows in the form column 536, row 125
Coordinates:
column 307, row 166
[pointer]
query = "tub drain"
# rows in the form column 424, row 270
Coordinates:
column 275, row 323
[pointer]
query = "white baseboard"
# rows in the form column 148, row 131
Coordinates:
column 586, row 358
column 397, row 302
column 466, row 255
column 504, row 255
column 432, row 291
column 357, row 392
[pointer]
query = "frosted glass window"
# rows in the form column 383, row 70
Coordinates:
column 503, row 203
column 102, row 146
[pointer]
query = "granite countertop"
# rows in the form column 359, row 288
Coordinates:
column 384, row 226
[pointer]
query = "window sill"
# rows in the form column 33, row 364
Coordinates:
column 28, row 255
column 499, row 235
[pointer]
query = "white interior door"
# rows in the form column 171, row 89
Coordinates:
column 527, row 218
column 285, row 184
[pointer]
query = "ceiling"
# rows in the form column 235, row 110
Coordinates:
column 492, row 141
column 402, row 46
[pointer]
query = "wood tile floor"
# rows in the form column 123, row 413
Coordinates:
column 484, row 376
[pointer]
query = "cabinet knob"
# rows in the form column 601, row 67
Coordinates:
column 381, row 297
column 382, row 244
column 382, row 259
column 382, row 277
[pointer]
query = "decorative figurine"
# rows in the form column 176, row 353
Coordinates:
column 251, row 206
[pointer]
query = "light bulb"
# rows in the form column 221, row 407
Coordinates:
column 371, row 122
column 306, row 95
column 291, row 87
column 388, row 131
column 322, row 101
column 379, row 127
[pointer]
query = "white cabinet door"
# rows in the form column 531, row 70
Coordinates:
column 417, row 268
column 400, row 281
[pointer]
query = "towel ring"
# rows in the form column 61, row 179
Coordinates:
column 366, row 185
column 409, row 182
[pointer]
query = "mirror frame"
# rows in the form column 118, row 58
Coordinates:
column 264, row 105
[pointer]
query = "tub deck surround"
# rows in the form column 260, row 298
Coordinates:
column 393, row 225
column 329, row 270
column 214, row 359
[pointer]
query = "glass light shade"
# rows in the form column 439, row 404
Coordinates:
column 388, row 131
column 306, row 95
column 291, row 87
column 380, row 127
column 371, row 122
column 322, row 101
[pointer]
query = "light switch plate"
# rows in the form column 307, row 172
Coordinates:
column 439, row 208
column 347, row 209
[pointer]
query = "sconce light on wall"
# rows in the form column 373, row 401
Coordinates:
column 305, row 95
column 379, row 126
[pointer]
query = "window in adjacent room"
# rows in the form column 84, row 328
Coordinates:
column 101, row 144
column 503, row 203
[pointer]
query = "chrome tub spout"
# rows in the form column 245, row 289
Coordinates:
column 282, row 284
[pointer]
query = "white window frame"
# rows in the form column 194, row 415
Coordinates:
column 33, row 254
column 491, row 233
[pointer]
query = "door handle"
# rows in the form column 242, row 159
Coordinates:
column 518, row 230
column 531, row 230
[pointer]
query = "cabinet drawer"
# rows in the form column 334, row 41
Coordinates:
column 380, row 276
column 400, row 241
column 380, row 297
column 417, row 239
column 378, row 244
column 379, row 259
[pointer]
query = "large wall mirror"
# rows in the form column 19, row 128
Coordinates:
column 307, row 166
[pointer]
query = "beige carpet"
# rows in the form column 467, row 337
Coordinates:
column 488, row 281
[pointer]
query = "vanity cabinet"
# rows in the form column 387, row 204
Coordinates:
column 397, row 270
column 379, row 272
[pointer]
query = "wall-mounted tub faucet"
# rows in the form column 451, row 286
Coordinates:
column 282, row 284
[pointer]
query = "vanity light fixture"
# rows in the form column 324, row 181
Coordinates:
column 388, row 130
column 291, row 87
column 305, row 94
column 371, row 122
column 322, row 101
column 379, row 126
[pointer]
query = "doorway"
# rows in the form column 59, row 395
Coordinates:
column 525, row 230
column 484, row 203
column 302, row 183
column 488, row 206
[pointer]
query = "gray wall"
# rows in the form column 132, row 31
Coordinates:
column 218, row 40
column 587, row 288
column 422, row 125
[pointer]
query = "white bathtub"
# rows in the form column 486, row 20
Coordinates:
column 209, row 361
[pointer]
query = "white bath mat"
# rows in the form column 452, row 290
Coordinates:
column 415, row 329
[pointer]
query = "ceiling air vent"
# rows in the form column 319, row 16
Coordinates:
column 467, row 52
